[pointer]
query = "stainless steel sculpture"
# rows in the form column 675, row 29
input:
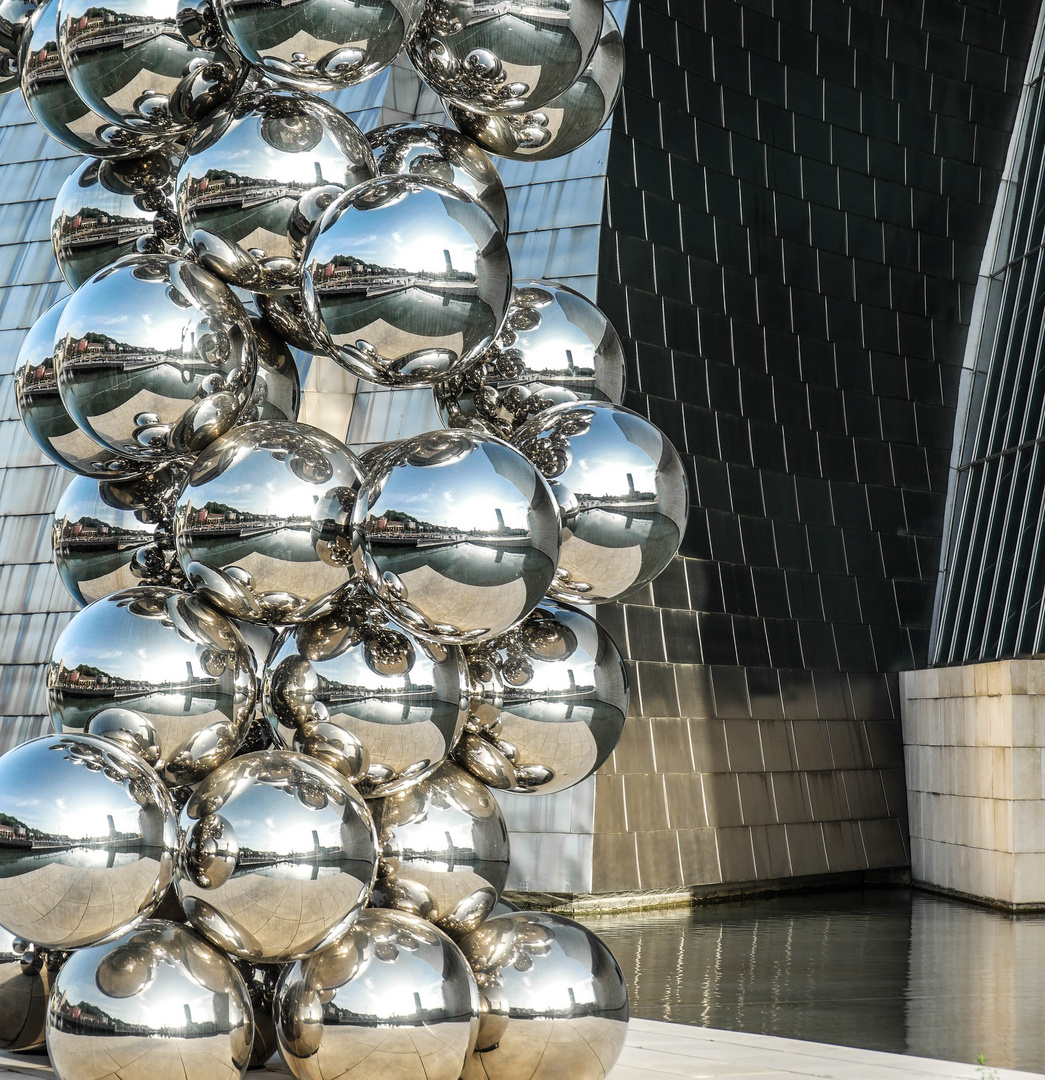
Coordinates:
column 14, row 18
column 319, row 45
column 561, row 124
column 622, row 493
column 505, row 57
column 394, row 998
column 257, row 173
column 106, row 209
column 406, row 278
column 444, row 850
column 440, row 153
column 159, row 997
column 554, row 346
column 26, row 975
column 549, row 700
column 457, row 534
column 277, row 385
column 175, row 670
column 44, row 413
column 278, row 856
column 262, row 526
column 354, row 672
column 155, row 358
column 95, row 854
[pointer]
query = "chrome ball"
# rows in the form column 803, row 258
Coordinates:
column 26, row 976
column 622, row 492
column 94, row 855
column 44, row 413
column 262, row 526
column 355, row 673
column 554, row 1001
column 277, row 386
column 406, row 279
column 14, row 18
column 440, row 153
column 57, row 107
column 155, row 358
column 554, row 346
column 177, row 671
column 317, row 45
column 160, row 998
column 549, row 700
column 261, row 980
column 107, row 209
column 444, row 850
column 285, row 313
column 113, row 535
column 457, row 534
column 278, row 856
column 131, row 65
column 506, row 57
column 255, row 176
column 394, row 997
column 563, row 124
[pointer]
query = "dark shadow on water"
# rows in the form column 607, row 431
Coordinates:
column 884, row 969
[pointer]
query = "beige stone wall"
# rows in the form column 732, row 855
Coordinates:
column 972, row 742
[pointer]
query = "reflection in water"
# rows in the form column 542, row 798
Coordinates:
column 884, row 970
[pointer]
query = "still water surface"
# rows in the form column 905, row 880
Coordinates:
column 884, row 969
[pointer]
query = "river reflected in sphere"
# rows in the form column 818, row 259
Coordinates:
column 26, row 975
column 561, row 125
column 320, row 44
column 262, row 526
column 177, row 671
column 440, row 153
column 155, row 358
column 444, row 850
column 102, row 851
column 394, row 997
column 457, row 534
column 554, row 346
column 554, row 1001
column 406, row 278
column 256, row 174
column 516, row 57
column 622, row 492
column 354, row 673
column 549, row 700
column 160, row 997
column 278, row 856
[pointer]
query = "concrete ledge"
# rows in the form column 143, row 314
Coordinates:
column 1035, row 907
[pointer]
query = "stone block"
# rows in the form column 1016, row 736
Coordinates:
column 1026, row 772
column 769, row 845
column 736, row 857
column 645, row 803
column 685, row 798
column 744, row 745
column 756, row 798
column 1028, row 884
column 708, row 740
column 776, row 745
column 722, row 801
column 615, row 862
column 659, row 863
column 790, row 797
column 671, row 746
column 805, row 841
column 610, row 815
column 883, row 844
column 698, row 852
column 1028, row 828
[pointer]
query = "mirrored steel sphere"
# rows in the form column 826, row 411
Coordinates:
column 319, row 44
column 255, row 176
column 262, row 524
column 261, row 980
column 393, row 998
column 457, row 534
column 505, row 57
column 444, row 850
column 14, row 18
column 57, row 107
column 115, row 535
column 106, row 209
column 155, row 358
column 554, row 346
column 622, row 493
column 354, row 672
column 549, row 701
column 278, row 856
column 277, row 386
column 554, row 1001
column 440, row 153
column 177, row 670
column 26, row 975
column 285, row 313
column 45, row 415
column 89, row 840
column 562, row 124
column 128, row 62
column 161, row 999
column 406, row 278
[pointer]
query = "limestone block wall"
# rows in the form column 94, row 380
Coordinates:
column 973, row 739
